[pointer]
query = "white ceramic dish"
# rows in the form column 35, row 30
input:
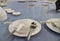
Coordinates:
column 9, row 10
column 57, row 21
column 27, row 22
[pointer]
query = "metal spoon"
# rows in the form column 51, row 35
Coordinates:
column 32, row 27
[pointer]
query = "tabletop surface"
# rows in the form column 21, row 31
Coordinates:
column 38, row 13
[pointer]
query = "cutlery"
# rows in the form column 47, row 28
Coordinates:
column 55, row 25
column 32, row 27
column 11, row 34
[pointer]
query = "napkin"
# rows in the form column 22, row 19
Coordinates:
column 57, row 23
column 22, row 29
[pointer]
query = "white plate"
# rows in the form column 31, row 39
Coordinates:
column 16, row 13
column 27, row 22
column 51, row 26
column 9, row 10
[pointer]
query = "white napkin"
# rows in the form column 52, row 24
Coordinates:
column 57, row 23
column 22, row 29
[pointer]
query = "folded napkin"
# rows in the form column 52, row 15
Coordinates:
column 22, row 29
column 57, row 23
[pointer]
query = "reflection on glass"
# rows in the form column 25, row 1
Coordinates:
column 31, row 7
column 45, row 7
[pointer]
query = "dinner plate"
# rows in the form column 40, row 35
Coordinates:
column 3, row 14
column 56, row 22
column 27, row 23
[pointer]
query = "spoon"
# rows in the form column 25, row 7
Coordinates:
column 32, row 27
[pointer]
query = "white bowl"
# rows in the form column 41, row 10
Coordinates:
column 9, row 10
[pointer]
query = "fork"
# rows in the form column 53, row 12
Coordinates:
column 11, row 34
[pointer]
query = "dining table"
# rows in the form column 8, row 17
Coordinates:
column 36, row 12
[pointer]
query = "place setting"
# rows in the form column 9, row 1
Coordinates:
column 54, row 24
column 28, row 27
column 24, row 28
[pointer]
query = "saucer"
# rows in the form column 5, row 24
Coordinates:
column 16, row 13
column 27, row 23
column 57, row 21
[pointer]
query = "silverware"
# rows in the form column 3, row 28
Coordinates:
column 55, row 25
column 32, row 27
column 11, row 34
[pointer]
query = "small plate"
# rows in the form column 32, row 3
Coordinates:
column 55, row 29
column 28, row 23
column 16, row 13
